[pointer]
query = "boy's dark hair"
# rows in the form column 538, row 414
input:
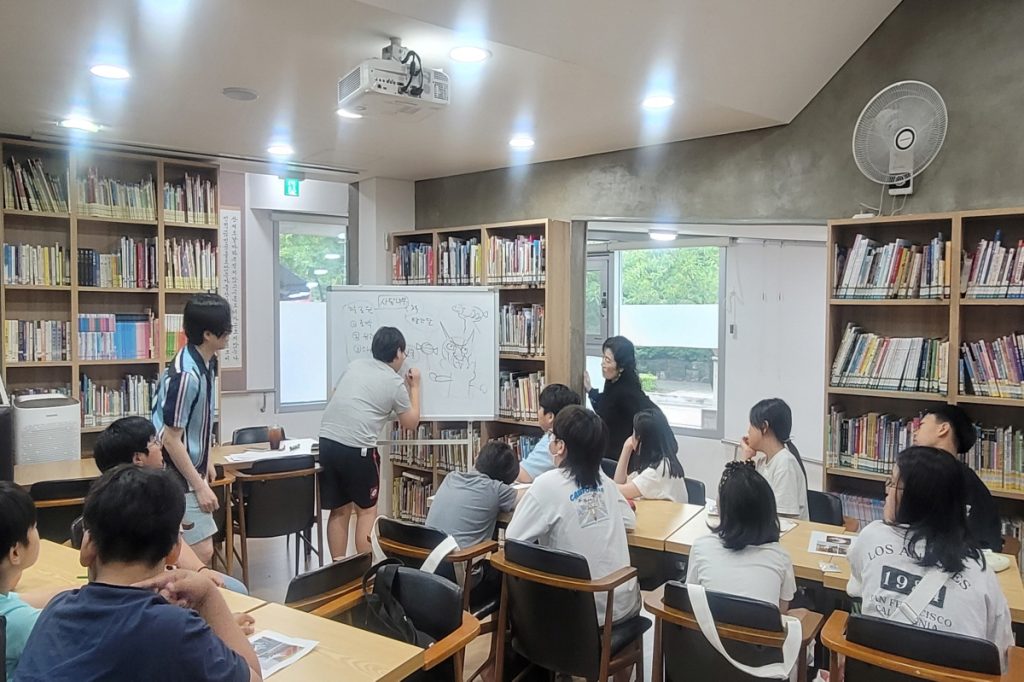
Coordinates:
column 17, row 516
column 746, row 508
column 775, row 415
column 933, row 504
column 586, row 437
column 656, row 442
column 497, row 461
column 133, row 515
column 556, row 396
column 206, row 313
column 119, row 442
column 387, row 341
column 964, row 434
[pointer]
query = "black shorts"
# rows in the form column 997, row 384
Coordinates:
column 348, row 475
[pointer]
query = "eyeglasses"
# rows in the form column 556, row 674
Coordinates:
column 893, row 485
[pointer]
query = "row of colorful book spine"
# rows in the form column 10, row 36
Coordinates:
column 36, row 341
column 102, row 404
column 412, row 454
column 133, row 266
column 994, row 369
column 174, row 333
column 522, row 260
column 413, row 263
column 193, row 202
column 409, row 496
column 868, row 442
column 867, row 360
column 190, row 264
column 864, row 509
column 521, row 443
column 519, row 394
column 30, row 265
column 29, row 187
column 116, row 336
column 899, row 269
column 456, row 456
column 521, row 328
column 104, row 197
column 993, row 270
column 459, row 261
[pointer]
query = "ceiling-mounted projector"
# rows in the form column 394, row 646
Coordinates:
column 394, row 85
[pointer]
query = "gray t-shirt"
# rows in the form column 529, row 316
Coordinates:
column 366, row 397
column 467, row 505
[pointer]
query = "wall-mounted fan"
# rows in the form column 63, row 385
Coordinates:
column 899, row 133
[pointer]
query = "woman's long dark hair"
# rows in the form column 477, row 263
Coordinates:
column 933, row 505
column 655, row 442
column 625, row 358
column 776, row 415
column 746, row 508
column 586, row 437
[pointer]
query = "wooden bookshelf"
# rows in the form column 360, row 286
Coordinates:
column 78, row 229
column 955, row 318
column 559, row 291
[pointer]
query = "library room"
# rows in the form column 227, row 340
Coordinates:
column 473, row 341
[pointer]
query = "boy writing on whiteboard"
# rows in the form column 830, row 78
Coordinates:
column 366, row 397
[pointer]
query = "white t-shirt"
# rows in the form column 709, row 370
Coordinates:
column 655, row 483
column 588, row 521
column 883, row 574
column 788, row 482
column 366, row 397
column 762, row 572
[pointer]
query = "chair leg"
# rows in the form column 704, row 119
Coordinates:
column 640, row 659
column 229, row 534
column 490, row 653
column 657, row 662
column 244, row 542
column 319, row 516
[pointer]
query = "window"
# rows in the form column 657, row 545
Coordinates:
column 668, row 305
column 312, row 255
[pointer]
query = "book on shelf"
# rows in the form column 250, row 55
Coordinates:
column 412, row 454
column 413, row 263
column 519, row 394
column 102, row 405
column 30, row 188
column 194, row 201
column 870, row 361
column 459, row 261
column 868, row 442
column 521, row 260
column 190, row 264
column 899, row 269
column 132, row 267
column 1014, row 527
column 864, row 509
column 521, row 443
column 36, row 341
column 456, row 456
column 28, row 264
column 174, row 333
column 993, row 270
column 998, row 456
column 116, row 336
column 409, row 496
column 993, row 369
column 521, row 329
column 102, row 197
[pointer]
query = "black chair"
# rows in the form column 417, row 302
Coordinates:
column 750, row 630
column 253, row 434
column 824, row 508
column 695, row 492
column 547, row 593
column 77, row 533
column 224, row 538
column 279, row 497
column 312, row 590
column 884, row 651
column 58, row 504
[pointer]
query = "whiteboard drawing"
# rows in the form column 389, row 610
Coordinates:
column 458, row 366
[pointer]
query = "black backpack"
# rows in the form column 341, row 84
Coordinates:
column 384, row 614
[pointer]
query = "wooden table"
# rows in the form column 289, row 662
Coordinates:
column 342, row 653
column 656, row 520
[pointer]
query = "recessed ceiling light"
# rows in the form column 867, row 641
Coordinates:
column 653, row 102
column 662, row 234
column 240, row 94
column 110, row 71
column 521, row 142
column 345, row 113
column 80, row 123
column 332, row 256
column 469, row 54
column 320, row 271
column 280, row 149
column 312, row 285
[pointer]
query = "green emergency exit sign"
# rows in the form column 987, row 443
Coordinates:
column 291, row 187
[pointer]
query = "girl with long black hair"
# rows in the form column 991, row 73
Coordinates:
column 648, row 465
column 771, row 425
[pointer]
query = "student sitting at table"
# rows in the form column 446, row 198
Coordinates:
column 19, row 543
column 648, row 466
column 132, row 440
column 771, row 422
column 135, row 620
column 577, row 508
column 743, row 556
column 925, row 531
column 551, row 401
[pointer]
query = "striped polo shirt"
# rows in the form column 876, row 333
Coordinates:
column 184, row 400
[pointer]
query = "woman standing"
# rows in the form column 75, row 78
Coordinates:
column 622, row 397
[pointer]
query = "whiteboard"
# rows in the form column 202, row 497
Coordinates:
column 451, row 336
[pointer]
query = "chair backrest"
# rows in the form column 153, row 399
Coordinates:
column 77, row 533
column 411, row 534
column 280, row 506
column 541, row 615
column 54, row 523
column 695, row 492
column 328, row 581
column 253, row 434
column 928, row 646
column 824, row 508
column 432, row 603
column 689, row 655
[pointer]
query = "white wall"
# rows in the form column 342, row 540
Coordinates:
column 385, row 206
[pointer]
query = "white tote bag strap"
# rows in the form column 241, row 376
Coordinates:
column 433, row 560
column 910, row 608
column 790, row 647
column 378, row 553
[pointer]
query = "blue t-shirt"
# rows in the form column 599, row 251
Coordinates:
column 539, row 460
column 184, row 400
column 108, row 632
column 20, row 619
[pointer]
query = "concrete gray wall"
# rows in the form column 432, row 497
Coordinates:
column 971, row 52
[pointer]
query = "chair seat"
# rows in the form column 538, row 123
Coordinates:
column 627, row 632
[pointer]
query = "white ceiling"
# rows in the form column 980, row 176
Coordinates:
column 570, row 72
